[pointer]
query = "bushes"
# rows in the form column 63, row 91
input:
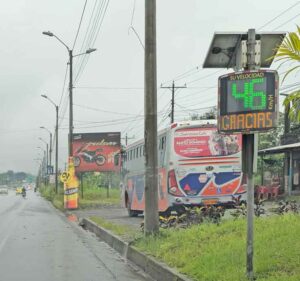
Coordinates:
column 48, row 192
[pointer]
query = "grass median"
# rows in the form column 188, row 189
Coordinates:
column 212, row 252
column 124, row 231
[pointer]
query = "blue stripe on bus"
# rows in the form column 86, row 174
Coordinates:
column 195, row 186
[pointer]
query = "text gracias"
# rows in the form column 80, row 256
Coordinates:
column 247, row 121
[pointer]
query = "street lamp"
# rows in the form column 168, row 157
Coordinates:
column 50, row 149
column 71, row 56
column 47, row 156
column 56, row 141
column 42, row 161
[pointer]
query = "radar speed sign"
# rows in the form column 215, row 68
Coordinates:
column 248, row 101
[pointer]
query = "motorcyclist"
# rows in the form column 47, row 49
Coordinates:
column 23, row 191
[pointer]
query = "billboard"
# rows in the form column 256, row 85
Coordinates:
column 96, row 151
column 205, row 142
column 248, row 101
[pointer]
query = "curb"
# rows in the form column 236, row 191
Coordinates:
column 157, row 270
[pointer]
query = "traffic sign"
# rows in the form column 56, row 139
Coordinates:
column 65, row 176
column 248, row 101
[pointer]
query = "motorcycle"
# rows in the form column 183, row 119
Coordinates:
column 24, row 194
column 89, row 157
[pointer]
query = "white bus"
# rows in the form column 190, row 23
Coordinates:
column 197, row 166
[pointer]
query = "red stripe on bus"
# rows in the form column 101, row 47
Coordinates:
column 213, row 158
column 208, row 163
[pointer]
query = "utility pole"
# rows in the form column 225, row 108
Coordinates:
column 173, row 88
column 248, row 159
column 50, row 151
column 71, row 104
column 150, row 134
column 128, row 138
column 47, row 158
column 56, row 150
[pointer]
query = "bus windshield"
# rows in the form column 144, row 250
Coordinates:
column 205, row 142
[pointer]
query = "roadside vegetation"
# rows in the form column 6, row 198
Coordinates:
column 99, row 196
column 218, row 252
column 204, row 246
column 98, row 190
column 48, row 192
column 124, row 231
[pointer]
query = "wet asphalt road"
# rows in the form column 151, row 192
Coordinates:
column 38, row 243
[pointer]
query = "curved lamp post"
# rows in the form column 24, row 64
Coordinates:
column 50, row 148
column 71, row 56
column 56, row 140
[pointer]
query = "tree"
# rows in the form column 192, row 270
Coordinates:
column 289, row 51
column 211, row 114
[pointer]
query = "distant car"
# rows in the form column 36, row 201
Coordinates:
column 18, row 190
column 3, row 190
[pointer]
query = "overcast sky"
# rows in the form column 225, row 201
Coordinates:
column 108, row 94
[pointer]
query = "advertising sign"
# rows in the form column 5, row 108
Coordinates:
column 205, row 142
column 248, row 101
column 71, row 186
column 96, row 151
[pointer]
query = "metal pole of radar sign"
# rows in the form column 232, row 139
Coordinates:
column 248, row 103
column 247, row 156
column 247, row 100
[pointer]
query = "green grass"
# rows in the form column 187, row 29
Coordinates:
column 92, row 197
column 96, row 197
column 123, row 231
column 209, row 252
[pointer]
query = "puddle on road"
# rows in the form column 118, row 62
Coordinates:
column 72, row 218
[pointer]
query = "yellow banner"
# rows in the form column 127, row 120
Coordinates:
column 71, row 186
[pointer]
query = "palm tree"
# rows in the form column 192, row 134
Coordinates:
column 289, row 51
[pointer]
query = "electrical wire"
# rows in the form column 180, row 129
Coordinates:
column 282, row 13
column 296, row 16
column 82, row 14
column 103, row 110
column 63, row 88
column 93, row 38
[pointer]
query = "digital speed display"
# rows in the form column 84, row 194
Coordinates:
column 248, row 101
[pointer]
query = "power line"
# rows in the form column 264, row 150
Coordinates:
column 282, row 13
column 111, row 88
column 79, row 25
column 173, row 88
column 93, row 38
column 89, row 31
column 204, row 77
column 184, row 74
column 287, row 21
column 103, row 110
column 63, row 88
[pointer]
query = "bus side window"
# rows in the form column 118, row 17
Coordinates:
column 163, row 143
column 162, row 154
